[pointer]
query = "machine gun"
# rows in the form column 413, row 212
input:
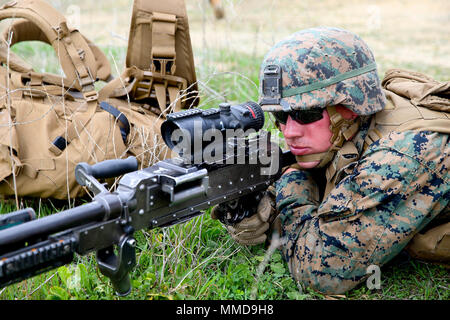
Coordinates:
column 170, row 192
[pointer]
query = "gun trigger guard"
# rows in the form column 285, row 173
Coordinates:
column 117, row 267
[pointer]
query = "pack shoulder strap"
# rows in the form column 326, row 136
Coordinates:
column 159, row 44
column 122, row 120
column 24, row 30
column 75, row 56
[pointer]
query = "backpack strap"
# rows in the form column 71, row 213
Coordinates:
column 163, row 53
column 122, row 120
column 401, row 113
column 24, row 30
column 159, row 44
column 159, row 61
column 14, row 61
column 75, row 56
column 140, row 85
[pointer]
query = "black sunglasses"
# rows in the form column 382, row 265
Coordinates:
column 301, row 116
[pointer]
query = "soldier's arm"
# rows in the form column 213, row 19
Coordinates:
column 398, row 186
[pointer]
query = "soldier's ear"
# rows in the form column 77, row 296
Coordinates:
column 346, row 113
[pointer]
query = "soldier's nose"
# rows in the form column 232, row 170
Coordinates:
column 293, row 129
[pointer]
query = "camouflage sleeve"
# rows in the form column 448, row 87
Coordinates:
column 400, row 184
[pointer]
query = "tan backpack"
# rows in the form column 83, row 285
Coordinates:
column 49, row 123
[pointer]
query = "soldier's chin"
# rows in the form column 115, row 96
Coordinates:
column 308, row 164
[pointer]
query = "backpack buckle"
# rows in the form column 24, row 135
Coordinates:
column 163, row 66
column 145, row 87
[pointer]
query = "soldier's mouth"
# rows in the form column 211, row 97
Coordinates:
column 298, row 150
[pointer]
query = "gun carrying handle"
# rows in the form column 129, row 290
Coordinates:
column 108, row 168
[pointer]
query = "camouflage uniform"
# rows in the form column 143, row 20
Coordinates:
column 394, row 188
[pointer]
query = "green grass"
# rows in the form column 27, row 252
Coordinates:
column 198, row 259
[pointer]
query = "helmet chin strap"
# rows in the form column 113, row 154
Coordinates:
column 323, row 157
column 342, row 129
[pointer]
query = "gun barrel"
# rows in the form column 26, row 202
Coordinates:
column 43, row 227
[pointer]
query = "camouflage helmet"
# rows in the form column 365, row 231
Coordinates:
column 320, row 67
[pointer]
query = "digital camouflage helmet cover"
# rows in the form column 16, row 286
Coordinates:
column 320, row 67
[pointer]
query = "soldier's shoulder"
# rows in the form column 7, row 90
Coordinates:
column 430, row 149
column 413, row 143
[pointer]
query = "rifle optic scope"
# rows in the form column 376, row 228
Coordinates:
column 243, row 116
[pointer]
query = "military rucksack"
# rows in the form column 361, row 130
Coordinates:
column 49, row 123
